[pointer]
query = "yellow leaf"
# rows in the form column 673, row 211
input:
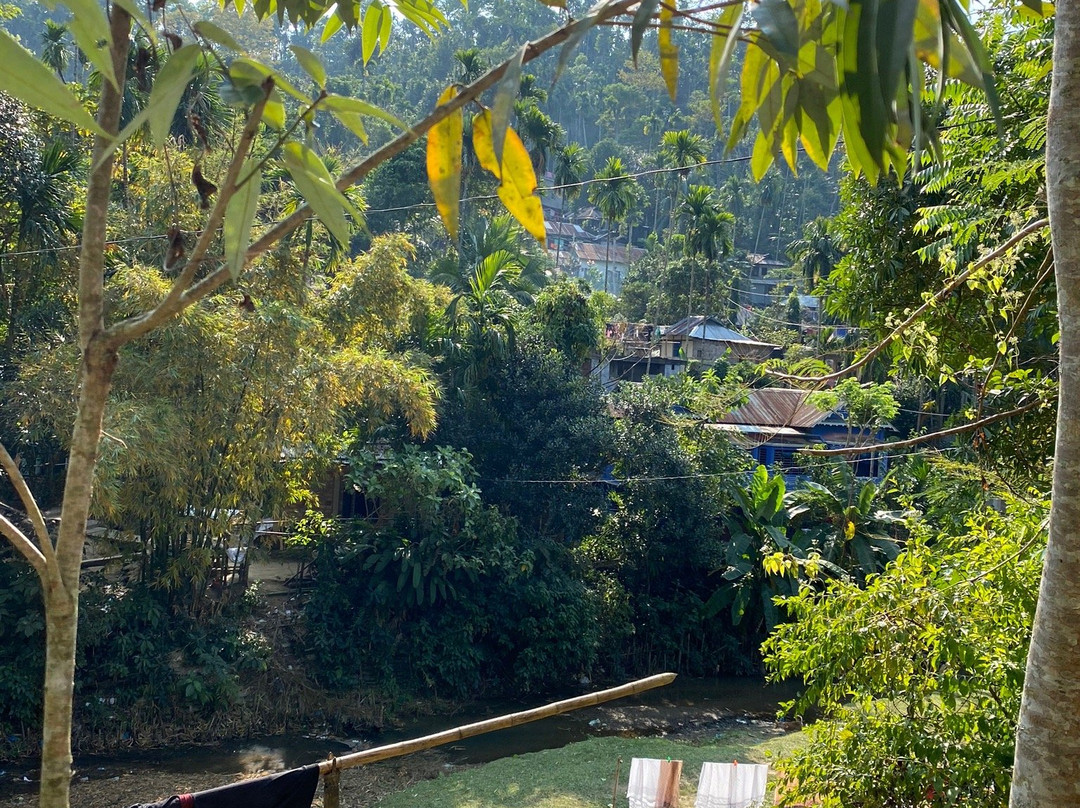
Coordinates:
column 849, row 530
column 444, row 164
column 518, row 188
column 669, row 53
column 483, row 144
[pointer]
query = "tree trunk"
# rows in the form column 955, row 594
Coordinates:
column 1046, row 770
column 98, row 364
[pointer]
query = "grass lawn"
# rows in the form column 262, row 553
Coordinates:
column 581, row 775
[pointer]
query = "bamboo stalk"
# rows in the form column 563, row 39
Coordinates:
column 492, row 724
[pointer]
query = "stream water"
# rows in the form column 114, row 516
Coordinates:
column 686, row 702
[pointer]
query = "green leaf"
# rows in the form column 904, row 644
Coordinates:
column 317, row 187
column 239, row 215
column 505, row 94
column 340, row 104
column 274, row 112
column 374, row 21
column 311, row 65
column 444, row 144
column 642, row 18
column 245, row 71
column 384, row 30
column 333, row 25
column 168, row 89
column 895, row 33
column 217, row 35
column 982, row 59
column 723, row 46
column 779, row 27
column 90, row 27
column 31, row 82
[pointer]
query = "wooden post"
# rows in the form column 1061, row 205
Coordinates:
column 332, row 784
column 615, row 790
column 492, row 724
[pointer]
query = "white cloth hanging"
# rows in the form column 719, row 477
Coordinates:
column 644, row 781
column 732, row 785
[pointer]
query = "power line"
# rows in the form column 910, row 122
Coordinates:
column 417, row 205
column 698, row 476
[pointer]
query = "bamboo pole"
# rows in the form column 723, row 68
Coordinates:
column 492, row 724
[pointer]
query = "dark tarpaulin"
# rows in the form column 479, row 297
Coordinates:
column 291, row 789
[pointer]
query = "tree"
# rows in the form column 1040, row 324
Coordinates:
column 614, row 194
column 1047, row 763
column 680, row 150
column 54, row 47
column 929, row 652
column 816, row 253
column 709, row 233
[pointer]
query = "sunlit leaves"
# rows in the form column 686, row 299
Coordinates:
column 444, row 163
column 317, row 187
column 376, row 29
column 31, row 82
column 814, row 71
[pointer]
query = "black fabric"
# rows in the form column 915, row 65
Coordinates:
column 291, row 789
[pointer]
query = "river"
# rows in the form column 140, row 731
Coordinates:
column 676, row 708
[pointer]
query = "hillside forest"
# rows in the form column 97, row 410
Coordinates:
column 727, row 412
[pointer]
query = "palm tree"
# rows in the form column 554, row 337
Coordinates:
column 681, row 150
column 46, row 219
column 816, row 253
column 710, row 227
column 709, row 233
column 541, row 134
column 54, row 47
column 472, row 63
column 493, row 278
column 571, row 164
column 529, row 90
column 614, row 196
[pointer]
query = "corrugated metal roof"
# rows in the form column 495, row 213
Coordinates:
column 777, row 407
column 596, row 253
column 708, row 328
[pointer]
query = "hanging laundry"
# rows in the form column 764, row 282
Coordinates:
column 667, row 790
column 654, row 783
column 732, row 785
column 291, row 789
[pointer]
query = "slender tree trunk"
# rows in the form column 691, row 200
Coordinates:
column 1046, row 770
column 95, row 378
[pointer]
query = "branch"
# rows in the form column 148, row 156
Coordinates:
column 402, row 142
column 18, row 482
column 944, row 433
column 174, row 302
column 26, row 547
column 947, row 290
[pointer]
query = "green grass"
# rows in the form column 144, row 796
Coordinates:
column 581, row 775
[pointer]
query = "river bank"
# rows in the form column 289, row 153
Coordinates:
column 693, row 712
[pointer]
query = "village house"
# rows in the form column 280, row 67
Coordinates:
column 774, row 423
